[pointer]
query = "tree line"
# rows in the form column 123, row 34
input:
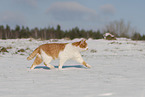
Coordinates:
column 47, row 33
column 119, row 29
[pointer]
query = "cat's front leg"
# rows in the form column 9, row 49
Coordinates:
column 80, row 60
column 87, row 65
column 61, row 62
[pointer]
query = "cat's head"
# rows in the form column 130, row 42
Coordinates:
column 82, row 45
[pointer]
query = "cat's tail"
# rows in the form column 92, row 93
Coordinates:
column 33, row 54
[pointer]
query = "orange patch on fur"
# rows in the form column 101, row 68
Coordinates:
column 38, row 60
column 53, row 49
column 76, row 43
column 84, row 63
column 81, row 44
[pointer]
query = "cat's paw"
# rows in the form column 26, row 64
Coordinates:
column 89, row 66
column 51, row 67
column 60, row 67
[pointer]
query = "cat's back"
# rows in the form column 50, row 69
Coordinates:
column 53, row 49
column 53, row 46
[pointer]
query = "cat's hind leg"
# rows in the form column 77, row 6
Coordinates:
column 38, row 60
column 47, row 61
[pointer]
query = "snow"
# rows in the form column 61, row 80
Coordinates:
column 118, row 70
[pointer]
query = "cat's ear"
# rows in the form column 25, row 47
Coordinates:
column 82, row 41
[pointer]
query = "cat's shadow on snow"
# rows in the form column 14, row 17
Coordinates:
column 64, row 67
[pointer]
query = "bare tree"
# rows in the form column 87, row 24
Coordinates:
column 120, row 28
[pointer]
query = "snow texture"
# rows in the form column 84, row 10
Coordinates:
column 118, row 70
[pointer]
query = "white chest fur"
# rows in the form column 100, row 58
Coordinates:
column 70, row 52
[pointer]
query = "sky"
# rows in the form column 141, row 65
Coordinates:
column 85, row 14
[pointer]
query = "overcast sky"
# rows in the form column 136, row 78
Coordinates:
column 86, row 14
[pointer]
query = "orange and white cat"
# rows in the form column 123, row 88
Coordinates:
column 63, row 51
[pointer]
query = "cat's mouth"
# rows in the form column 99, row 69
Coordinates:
column 87, row 48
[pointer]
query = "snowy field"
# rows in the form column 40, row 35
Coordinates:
column 118, row 70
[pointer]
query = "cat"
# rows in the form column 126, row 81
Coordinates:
column 63, row 51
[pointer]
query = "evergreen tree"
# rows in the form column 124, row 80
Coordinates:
column 17, row 31
column 1, row 31
column 136, row 36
